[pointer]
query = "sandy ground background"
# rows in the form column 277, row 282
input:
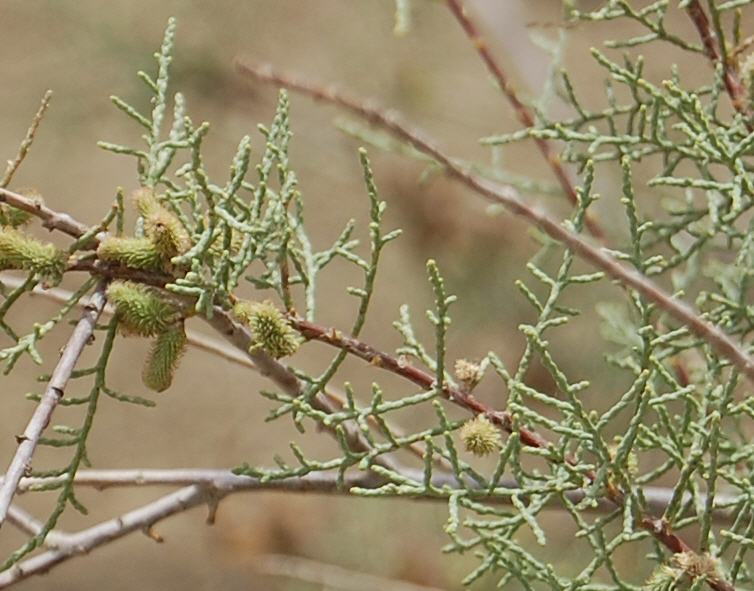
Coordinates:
column 211, row 417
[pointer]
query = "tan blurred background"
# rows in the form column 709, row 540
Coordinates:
column 212, row 415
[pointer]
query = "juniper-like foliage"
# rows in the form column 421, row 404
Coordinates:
column 651, row 478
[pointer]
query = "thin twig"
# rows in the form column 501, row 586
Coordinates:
column 523, row 114
column 508, row 197
column 144, row 518
column 214, row 347
column 657, row 498
column 206, row 485
column 51, row 219
column 23, row 148
column 271, row 368
column 27, row 443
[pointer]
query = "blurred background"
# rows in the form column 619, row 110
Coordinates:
column 212, row 416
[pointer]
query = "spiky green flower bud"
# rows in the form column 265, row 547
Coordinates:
column 480, row 436
column 19, row 251
column 163, row 357
column 142, row 310
column 271, row 330
column 165, row 230
column 138, row 253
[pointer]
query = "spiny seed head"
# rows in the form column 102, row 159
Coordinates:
column 138, row 253
column 19, row 251
column 142, row 310
column 271, row 330
column 467, row 372
column 164, row 357
column 697, row 565
column 165, row 230
column 480, row 436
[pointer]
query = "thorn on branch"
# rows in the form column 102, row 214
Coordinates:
column 152, row 534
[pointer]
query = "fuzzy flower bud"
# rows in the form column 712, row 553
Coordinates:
column 138, row 253
column 164, row 357
column 141, row 309
column 272, row 333
column 480, row 436
column 19, row 251
column 165, row 230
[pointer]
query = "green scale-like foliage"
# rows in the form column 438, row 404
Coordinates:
column 675, row 416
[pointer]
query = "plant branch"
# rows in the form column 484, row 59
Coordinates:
column 657, row 498
column 214, row 347
column 51, row 219
column 271, row 368
column 23, row 148
column 208, row 486
column 711, row 43
column 523, row 114
column 503, row 419
column 27, row 442
column 508, row 197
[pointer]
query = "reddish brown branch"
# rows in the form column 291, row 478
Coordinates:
column 710, row 42
column 658, row 527
column 508, row 197
column 523, row 114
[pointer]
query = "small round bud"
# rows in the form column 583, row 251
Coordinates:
column 467, row 372
column 480, row 436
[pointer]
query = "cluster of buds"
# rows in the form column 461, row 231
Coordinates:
column 147, row 312
column 164, row 237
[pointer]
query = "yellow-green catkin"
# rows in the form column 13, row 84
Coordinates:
column 480, row 436
column 271, row 331
column 165, row 230
column 164, row 357
column 19, row 251
column 141, row 309
column 138, row 253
